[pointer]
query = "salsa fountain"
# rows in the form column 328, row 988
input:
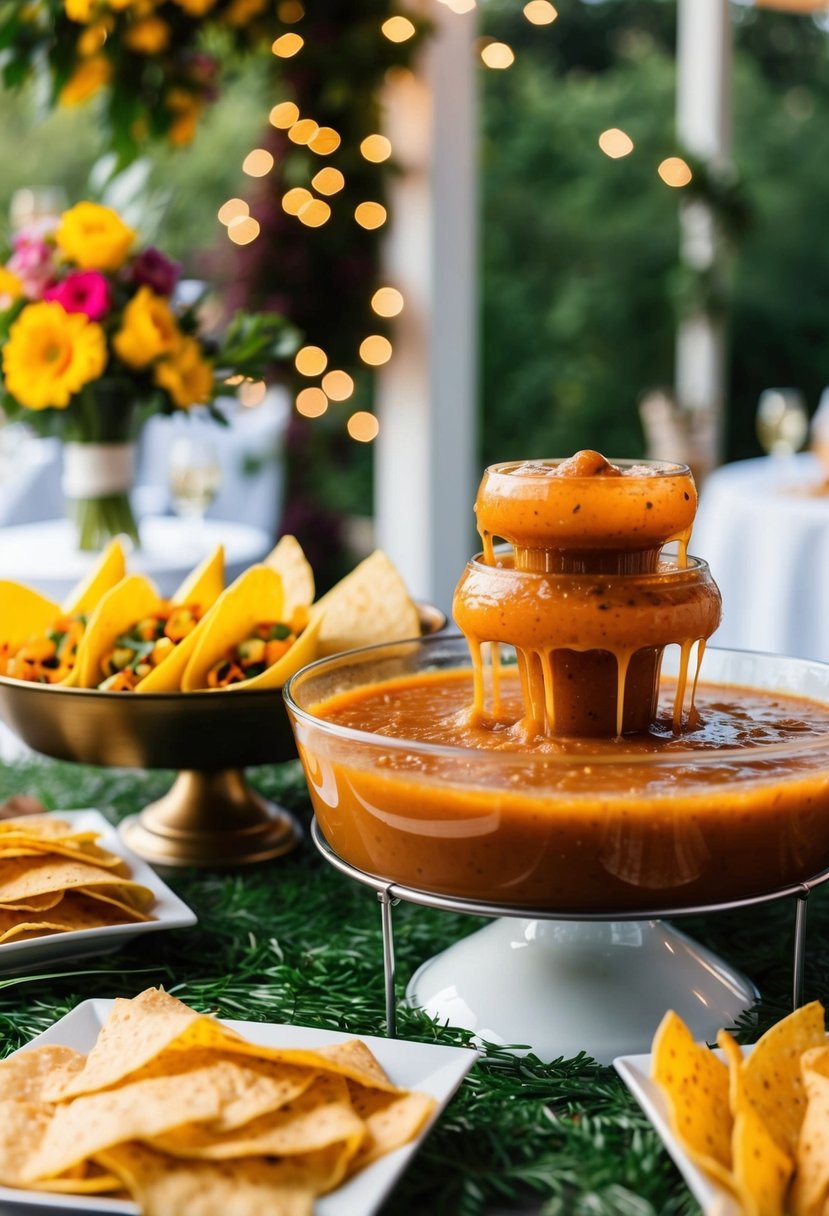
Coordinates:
column 563, row 768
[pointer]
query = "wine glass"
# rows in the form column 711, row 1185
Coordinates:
column 194, row 477
column 782, row 421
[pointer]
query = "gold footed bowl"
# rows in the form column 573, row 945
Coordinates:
column 211, row 817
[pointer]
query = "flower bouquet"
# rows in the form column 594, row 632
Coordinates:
column 93, row 343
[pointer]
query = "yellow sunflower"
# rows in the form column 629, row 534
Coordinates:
column 50, row 355
column 186, row 375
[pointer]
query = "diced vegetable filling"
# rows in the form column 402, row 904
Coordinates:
column 49, row 657
column 268, row 642
column 147, row 643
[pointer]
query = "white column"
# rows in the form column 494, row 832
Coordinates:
column 704, row 127
column 425, row 455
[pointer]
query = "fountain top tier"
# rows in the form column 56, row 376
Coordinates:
column 586, row 512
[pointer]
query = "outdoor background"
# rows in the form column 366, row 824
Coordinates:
column 581, row 285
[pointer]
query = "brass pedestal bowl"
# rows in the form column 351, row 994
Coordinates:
column 210, row 817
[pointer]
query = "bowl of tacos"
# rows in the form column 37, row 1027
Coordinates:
column 119, row 676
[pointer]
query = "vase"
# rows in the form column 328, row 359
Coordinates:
column 97, row 479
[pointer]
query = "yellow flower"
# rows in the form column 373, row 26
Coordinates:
column 186, row 109
column 196, row 8
column 148, row 36
column 80, row 10
column 94, row 237
column 148, row 330
column 240, row 12
column 186, row 375
column 89, row 76
column 50, row 355
column 10, row 287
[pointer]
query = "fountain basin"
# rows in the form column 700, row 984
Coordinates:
column 576, row 827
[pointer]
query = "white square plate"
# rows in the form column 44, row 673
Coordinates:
column 433, row 1069
column 168, row 910
column 635, row 1071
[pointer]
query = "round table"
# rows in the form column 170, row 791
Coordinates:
column 44, row 555
column 763, row 528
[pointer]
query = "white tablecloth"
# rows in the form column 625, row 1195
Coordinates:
column 767, row 544
column 44, row 556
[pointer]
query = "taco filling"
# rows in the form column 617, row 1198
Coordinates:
column 264, row 646
column 47, row 658
column 146, row 644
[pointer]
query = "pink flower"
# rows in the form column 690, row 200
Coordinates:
column 85, row 291
column 32, row 263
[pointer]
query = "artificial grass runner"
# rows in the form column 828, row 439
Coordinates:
column 295, row 941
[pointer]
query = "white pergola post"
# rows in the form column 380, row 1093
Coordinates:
column 703, row 120
column 425, row 455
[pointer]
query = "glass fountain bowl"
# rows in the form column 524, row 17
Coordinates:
column 578, row 830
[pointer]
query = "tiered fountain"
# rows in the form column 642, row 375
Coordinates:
column 562, row 768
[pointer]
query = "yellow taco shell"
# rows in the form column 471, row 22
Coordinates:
column 108, row 571
column 256, row 596
column 24, row 613
column 202, row 587
column 135, row 596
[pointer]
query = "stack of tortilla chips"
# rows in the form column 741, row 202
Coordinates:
column 56, row 880
column 186, row 1116
column 757, row 1124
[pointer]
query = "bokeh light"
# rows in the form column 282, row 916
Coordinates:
column 257, row 163
column 303, row 131
column 243, row 230
column 328, row 180
column 314, row 214
column 252, row 393
column 615, row 143
column 540, row 12
column 387, row 302
column 325, row 141
column 370, row 215
column 311, row 402
column 674, row 171
column 375, row 350
column 376, row 148
column 363, row 426
column 498, row 55
column 284, row 115
column 288, row 45
column 233, row 209
column 294, row 200
column 310, row 361
column 398, row 29
column 337, row 385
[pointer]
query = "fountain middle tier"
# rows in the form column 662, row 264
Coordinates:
column 589, row 645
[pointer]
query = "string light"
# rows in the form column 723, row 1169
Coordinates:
column 675, row 172
column 257, row 163
column 398, row 29
column 284, row 115
column 324, row 141
column 233, row 209
column 252, row 393
column 375, row 350
column 387, row 302
column 303, row 131
column 310, row 361
column 294, row 200
column 497, row 55
column 288, row 45
column 243, row 230
column 311, row 402
column 540, row 12
column 328, row 180
column 363, row 426
column 337, row 385
column 376, row 148
column 615, row 143
column 315, row 214
column 370, row 215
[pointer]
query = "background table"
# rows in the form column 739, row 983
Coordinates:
column 767, row 543
column 44, row 555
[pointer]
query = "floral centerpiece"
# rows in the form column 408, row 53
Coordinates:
column 92, row 343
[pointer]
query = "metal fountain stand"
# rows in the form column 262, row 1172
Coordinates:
column 390, row 893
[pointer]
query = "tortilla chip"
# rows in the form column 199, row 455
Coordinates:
column 370, row 605
column 771, row 1078
column 107, row 572
column 810, row 1191
column 22, row 877
column 75, row 910
column 33, row 903
column 761, row 1170
column 162, row 1185
column 135, row 596
column 696, row 1085
column 25, row 1074
column 292, row 566
column 391, row 1120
